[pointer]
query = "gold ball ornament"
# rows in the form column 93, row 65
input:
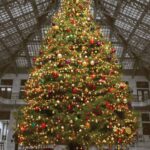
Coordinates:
column 92, row 62
column 55, row 27
column 87, row 125
column 128, row 130
column 85, row 63
column 77, row 1
column 59, row 56
column 84, row 33
column 83, row 48
column 125, row 100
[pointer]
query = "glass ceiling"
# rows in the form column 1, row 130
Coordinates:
column 23, row 23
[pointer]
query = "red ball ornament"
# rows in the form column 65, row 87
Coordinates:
column 93, row 76
column 68, row 30
column 91, row 86
column 122, row 85
column 92, row 41
column 34, row 59
column 41, row 52
column 123, row 131
column 103, row 77
column 43, row 125
column 37, row 108
column 75, row 90
column 55, row 75
column 113, row 50
column 72, row 21
column 23, row 128
column 69, row 107
column 111, row 90
column 80, row 6
column 117, row 132
column 107, row 104
column 71, row 47
column 120, row 140
column 20, row 139
column 102, row 81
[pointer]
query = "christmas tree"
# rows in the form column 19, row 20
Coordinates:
column 75, row 93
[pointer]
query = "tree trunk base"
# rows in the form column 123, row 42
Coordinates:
column 75, row 146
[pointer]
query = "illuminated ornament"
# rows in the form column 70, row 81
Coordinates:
column 113, row 50
column 55, row 27
column 72, row 21
column 123, row 130
column 76, row 1
column 68, row 61
column 92, row 62
column 85, row 63
column 84, row 33
column 55, row 75
column 75, row 90
column 34, row 59
column 88, row 19
column 98, row 43
column 21, row 139
column 104, row 141
column 93, row 76
column 107, row 47
column 83, row 48
column 125, row 101
column 69, row 107
column 68, row 30
column 122, row 85
column 119, row 140
column 41, row 52
column 59, row 56
column 87, row 125
column 92, row 41
column 102, row 81
column 111, row 90
column 128, row 130
column 23, row 128
column 43, row 125
column 91, row 86
column 62, row 127
column 71, row 121
column 37, row 108
column 33, row 124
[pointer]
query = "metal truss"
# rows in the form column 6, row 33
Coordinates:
column 22, row 24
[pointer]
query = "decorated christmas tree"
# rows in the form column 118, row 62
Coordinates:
column 75, row 94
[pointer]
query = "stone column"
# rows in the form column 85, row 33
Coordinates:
column 10, row 145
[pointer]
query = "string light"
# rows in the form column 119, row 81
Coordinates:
column 74, row 92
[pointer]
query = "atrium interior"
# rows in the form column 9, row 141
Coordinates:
column 23, row 26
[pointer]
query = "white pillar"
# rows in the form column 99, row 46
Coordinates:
column 10, row 145
column 93, row 147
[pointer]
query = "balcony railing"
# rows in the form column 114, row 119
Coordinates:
column 13, row 101
column 140, row 102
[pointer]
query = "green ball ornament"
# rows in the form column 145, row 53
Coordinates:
column 70, row 37
column 33, row 124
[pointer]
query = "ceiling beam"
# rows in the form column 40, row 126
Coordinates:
column 41, row 20
column 36, row 12
column 138, row 22
column 110, row 22
column 118, row 8
column 18, row 31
